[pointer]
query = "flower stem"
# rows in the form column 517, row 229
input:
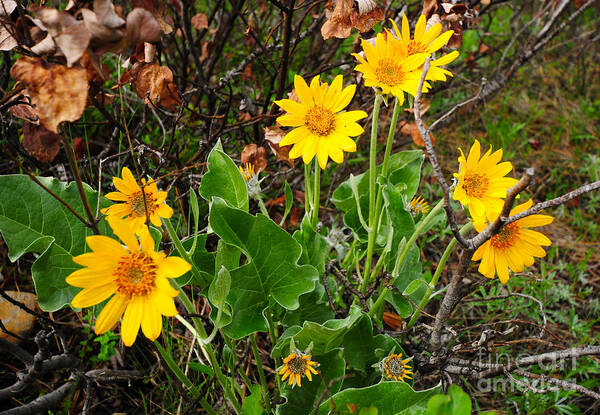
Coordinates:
column 273, row 336
column 372, row 190
column 263, row 208
column 261, row 373
column 168, row 359
column 307, row 192
column 316, row 194
column 402, row 255
column 436, row 276
column 181, row 250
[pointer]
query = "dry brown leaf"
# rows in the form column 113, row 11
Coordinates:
column 365, row 22
column 274, row 135
column 347, row 15
column 107, row 15
column 99, row 32
column 58, row 93
column 7, row 7
column 429, row 8
column 257, row 155
column 69, row 34
column 205, row 50
column 392, row 320
column 150, row 80
column 142, row 27
column 7, row 41
column 411, row 129
column 44, row 47
column 40, row 143
column 200, row 21
column 14, row 318
column 24, row 111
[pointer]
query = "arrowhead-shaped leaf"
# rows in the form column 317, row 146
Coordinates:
column 271, row 270
column 31, row 220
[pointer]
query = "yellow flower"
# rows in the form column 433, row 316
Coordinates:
column 388, row 66
column 396, row 368
column 319, row 126
column 514, row 246
column 481, row 183
column 134, row 208
column 424, row 41
column 427, row 41
column 296, row 365
column 134, row 275
column 247, row 171
column 419, row 205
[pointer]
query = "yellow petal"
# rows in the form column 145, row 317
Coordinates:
column 303, row 91
column 173, row 267
column 151, row 320
column 111, row 313
column 118, row 196
column 92, row 296
column 132, row 320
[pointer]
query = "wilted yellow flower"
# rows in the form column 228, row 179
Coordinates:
column 319, row 127
column 134, row 275
column 396, row 368
column 247, row 171
column 481, row 183
column 137, row 204
column 296, row 365
column 419, row 205
column 514, row 246
column 388, row 66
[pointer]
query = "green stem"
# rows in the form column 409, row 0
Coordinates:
column 372, row 190
column 261, row 373
column 262, row 206
column 176, row 370
column 273, row 336
column 307, row 191
column 402, row 255
column 316, row 194
column 181, row 250
column 436, row 276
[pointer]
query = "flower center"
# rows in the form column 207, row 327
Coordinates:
column 297, row 365
column 475, row 185
column 389, row 73
column 320, row 121
column 416, row 47
column 506, row 237
column 135, row 274
column 137, row 203
column 394, row 366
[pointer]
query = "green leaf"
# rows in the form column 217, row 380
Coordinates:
column 302, row 400
column 314, row 246
column 404, row 174
column 31, row 220
column 220, row 287
column 199, row 367
column 362, row 349
column 270, row 272
column 223, row 179
column 456, row 402
column 390, row 398
column 289, row 201
column 325, row 337
column 252, row 404
column 204, row 261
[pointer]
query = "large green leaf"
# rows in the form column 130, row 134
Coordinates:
column 456, row 402
column 270, row 272
column 223, row 179
column 362, row 349
column 202, row 258
column 31, row 220
column 314, row 306
column 324, row 337
column 253, row 403
column 302, row 401
column 390, row 398
column 314, row 247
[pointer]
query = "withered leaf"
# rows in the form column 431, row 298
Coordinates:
column 58, row 93
column 364, row 22
column 142, row 27
column 24, row 111
column 7, row 7
column 150, row 80
column 40, row 143
column 274, row 135
column 257, row 155
column 99, row 32
column 105, row 11
column 411, row 129
column 347, row 15
column 69, row 34
column 200, row 21
column 45, row 46
column 7, row 41
column 14, row 318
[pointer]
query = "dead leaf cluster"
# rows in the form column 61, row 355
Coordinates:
column 453, row 16
column 348, row 14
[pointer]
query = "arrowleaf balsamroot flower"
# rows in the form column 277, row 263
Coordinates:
column 134, row 276
column 247, row 171
column 133, row 207
column 295, row 366
column 427, row 41
column 389, row 67
column 395, row 368
column 481, row 182
column 320, row 128
column 514, row 247
column 419, row 205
